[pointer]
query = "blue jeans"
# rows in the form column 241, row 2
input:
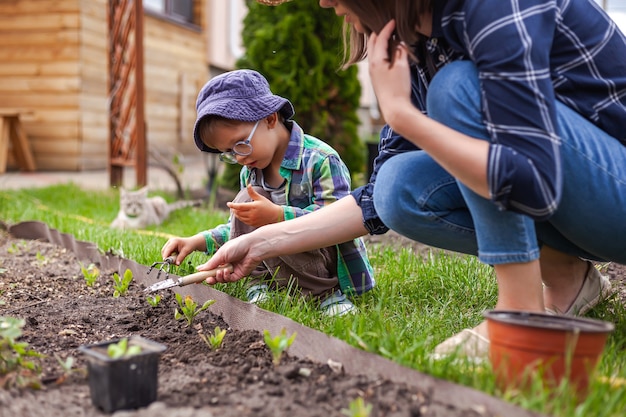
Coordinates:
column 414, row 196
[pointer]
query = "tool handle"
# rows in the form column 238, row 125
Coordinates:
column 202, row 275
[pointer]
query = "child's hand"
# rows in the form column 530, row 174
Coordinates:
column 258, row 212
column 181, row 247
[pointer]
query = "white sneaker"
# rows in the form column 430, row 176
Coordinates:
column 258, row 293
column 337, row 305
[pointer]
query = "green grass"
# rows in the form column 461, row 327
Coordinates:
column 418, row 302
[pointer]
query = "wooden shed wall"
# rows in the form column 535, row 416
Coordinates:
column 53, row 62
column 93, row 108
column 175, row 68
column 40, row 72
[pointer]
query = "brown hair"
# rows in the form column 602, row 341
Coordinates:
column 206, row 126
column 374, row 15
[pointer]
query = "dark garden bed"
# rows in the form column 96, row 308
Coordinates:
column 42, row 283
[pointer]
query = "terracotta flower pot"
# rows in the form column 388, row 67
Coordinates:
column 558, row 347
column 124, row 383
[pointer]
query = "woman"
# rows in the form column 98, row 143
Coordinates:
column 519, row 108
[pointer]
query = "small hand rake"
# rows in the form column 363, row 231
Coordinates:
column 162, row 266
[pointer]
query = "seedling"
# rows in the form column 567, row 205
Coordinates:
column 14, row 248
column 41, row 259
column 214, row 340
column 120, row 284
column 278, row 344
column 153, row 300
column 358, row 408
column 68, row 368
column 189, row 308
column 122, row 349
column 90, row 273
column 15, row 369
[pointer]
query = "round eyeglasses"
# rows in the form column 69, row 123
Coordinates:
column 241, row 148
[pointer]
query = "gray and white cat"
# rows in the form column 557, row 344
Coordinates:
column 138, row 211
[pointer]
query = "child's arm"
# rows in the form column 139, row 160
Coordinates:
column 182, row 246
column 216, row 237
column 207, row 241
column 331, row 225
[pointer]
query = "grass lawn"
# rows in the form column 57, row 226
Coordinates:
column 418, row 302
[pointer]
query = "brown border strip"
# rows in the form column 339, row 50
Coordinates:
column 310, row 343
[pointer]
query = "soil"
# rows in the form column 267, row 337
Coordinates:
column 43, row 284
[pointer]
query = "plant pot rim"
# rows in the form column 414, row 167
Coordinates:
column 98, row 350
column 549, row 321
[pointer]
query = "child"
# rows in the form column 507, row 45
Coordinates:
column 286, row 174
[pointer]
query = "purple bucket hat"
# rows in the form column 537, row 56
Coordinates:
column 243, row 95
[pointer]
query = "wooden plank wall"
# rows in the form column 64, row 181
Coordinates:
column 53, row 61
column 93, row 102
column 175, row 68
column 40, row 71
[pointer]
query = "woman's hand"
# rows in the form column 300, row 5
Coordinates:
column 240, row 253
column 259, row 212
column 391, row 81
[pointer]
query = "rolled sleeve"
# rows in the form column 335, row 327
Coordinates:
column 391, row 144
column 519, row 103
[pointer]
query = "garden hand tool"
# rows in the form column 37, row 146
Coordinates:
column 186, row 280
column 163, row 266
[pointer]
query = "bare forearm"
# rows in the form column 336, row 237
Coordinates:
column 333, row 224
column 337, row 223
column 462, row 156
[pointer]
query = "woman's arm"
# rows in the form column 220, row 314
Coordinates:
column 337, row 223
column 462, row 156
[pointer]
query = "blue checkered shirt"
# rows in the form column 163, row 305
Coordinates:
column 529, row 54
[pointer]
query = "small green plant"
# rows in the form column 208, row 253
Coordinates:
column 189, row 308
column 14, row 248
column 120, row 284
column 153, row 300
column 122, row 349
column 67, row 366
column 357, row 408
column 16, row 369
column 215, row 339
column 90, row 273
column 41, row 259
column 278, row 344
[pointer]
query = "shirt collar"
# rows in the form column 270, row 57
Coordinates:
column 293, row 155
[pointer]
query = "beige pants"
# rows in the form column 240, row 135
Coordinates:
column 314, row 272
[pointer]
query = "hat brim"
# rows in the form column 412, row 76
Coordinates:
column 245, row 110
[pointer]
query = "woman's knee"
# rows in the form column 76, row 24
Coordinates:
column 454, row 97
column 400, row 183
column 390, row 189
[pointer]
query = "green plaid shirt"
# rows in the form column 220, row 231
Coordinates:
column 315, row 177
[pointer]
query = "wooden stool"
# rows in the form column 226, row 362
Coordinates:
column 11, row 130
